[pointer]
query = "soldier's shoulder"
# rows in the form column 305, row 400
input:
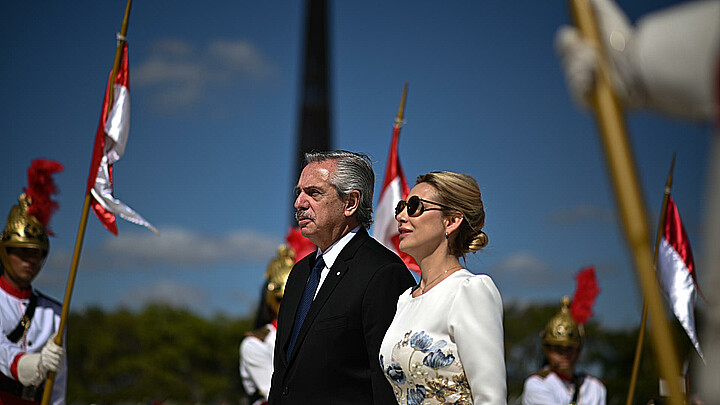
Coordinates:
column 543, row 373
column 259, row 333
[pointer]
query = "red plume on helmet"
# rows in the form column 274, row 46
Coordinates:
column 41, row 187
column 584, row 298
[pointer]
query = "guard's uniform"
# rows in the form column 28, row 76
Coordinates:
column 29, row 319
column 256, row 362
column 562, row 339
column 547, row 388
column 44, row 324
column 258, row 347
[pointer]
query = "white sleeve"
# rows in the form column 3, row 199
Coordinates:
column 8, row 352
column 677, row 51
column 593, row 391
column 8, row 321
column 475, row 323
column 667, row 63
column 536, row 392
column 256, row 365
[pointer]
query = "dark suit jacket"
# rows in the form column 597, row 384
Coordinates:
column 335, row 359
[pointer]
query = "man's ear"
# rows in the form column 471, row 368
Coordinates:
column 352, row 203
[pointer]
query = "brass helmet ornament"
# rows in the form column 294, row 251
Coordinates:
column 561, row 329
column 276, row 275
column 566, row 327
column 27, row 222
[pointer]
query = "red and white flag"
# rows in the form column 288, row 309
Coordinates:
column 676, row 272
column 395, row 188
column 110, row 140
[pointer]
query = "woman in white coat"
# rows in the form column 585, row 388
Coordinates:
column 445, row 344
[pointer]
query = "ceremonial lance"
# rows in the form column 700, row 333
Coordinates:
column 620, row 163
column 83, row 218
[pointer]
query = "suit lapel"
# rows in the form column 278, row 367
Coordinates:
column 337, row 272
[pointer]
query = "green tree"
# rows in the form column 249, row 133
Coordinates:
column 159, row 354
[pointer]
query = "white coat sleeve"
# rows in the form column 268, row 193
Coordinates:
column 536, row 392
column 256, row 365
column 476, row 325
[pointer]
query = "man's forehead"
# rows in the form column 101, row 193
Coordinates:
column 315, row 173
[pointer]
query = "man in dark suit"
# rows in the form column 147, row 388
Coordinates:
column 340, row 300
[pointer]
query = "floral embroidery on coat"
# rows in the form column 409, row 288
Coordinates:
column 423, row 370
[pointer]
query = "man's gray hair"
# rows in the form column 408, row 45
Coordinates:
column 353, row 172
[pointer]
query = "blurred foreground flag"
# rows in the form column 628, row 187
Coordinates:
column 110, row 140
column 395, row 188
column 676, row 272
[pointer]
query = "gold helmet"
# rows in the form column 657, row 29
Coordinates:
column 26, row 225
column 276, row 275
column 24, row 230
column 562, row 329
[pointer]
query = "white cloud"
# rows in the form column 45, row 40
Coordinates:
column 160, row 70
column 179, row 74
column 172, row 293
column 239, row 56
column 523, row 269
column 521, row 263
column 583, row 213
column 171, row 46
column 175, row 248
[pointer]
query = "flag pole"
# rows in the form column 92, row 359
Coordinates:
column 401, row 110
column 620, row 161
column 641, row 333
column 50, row 381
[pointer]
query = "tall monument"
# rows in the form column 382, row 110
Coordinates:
column 315, row 126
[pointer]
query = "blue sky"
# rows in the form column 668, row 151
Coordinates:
column 215, row 100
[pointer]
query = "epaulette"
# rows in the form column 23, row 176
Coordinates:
column 542, row 373
column 596, row 378
column 48, row 298
column 260, row 333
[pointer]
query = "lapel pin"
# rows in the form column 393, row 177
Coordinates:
column 338, row 273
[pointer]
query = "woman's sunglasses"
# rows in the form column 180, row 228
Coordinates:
column 415, row 206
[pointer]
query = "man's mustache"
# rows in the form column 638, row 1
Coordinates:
column 304, row 214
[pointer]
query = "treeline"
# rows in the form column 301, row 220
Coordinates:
column 158, row 355
column 168, row 355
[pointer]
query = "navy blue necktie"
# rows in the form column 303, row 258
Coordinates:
column 305, row 302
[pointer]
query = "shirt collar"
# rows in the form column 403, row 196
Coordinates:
column 15, row 292
column 334, row 250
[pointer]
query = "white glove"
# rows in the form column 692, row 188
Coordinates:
column 52, row 357
column 667, row 63
column 28, row 369
column 579, row 58
column 32, row 368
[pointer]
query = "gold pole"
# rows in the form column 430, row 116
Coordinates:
column 401, row 110
column 50, row 381
column 658, row 238
column 631, row 206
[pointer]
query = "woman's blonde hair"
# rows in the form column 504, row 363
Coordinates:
column 461, row 192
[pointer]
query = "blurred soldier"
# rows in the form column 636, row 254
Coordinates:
column 668, row 62
column 256, row 350
column 558, row 383
column 29, row 320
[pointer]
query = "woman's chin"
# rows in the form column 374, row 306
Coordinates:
column 407, row 248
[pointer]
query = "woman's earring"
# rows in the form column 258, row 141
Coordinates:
column 446, row 235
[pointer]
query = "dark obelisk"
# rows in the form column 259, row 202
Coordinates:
column 314, row 130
